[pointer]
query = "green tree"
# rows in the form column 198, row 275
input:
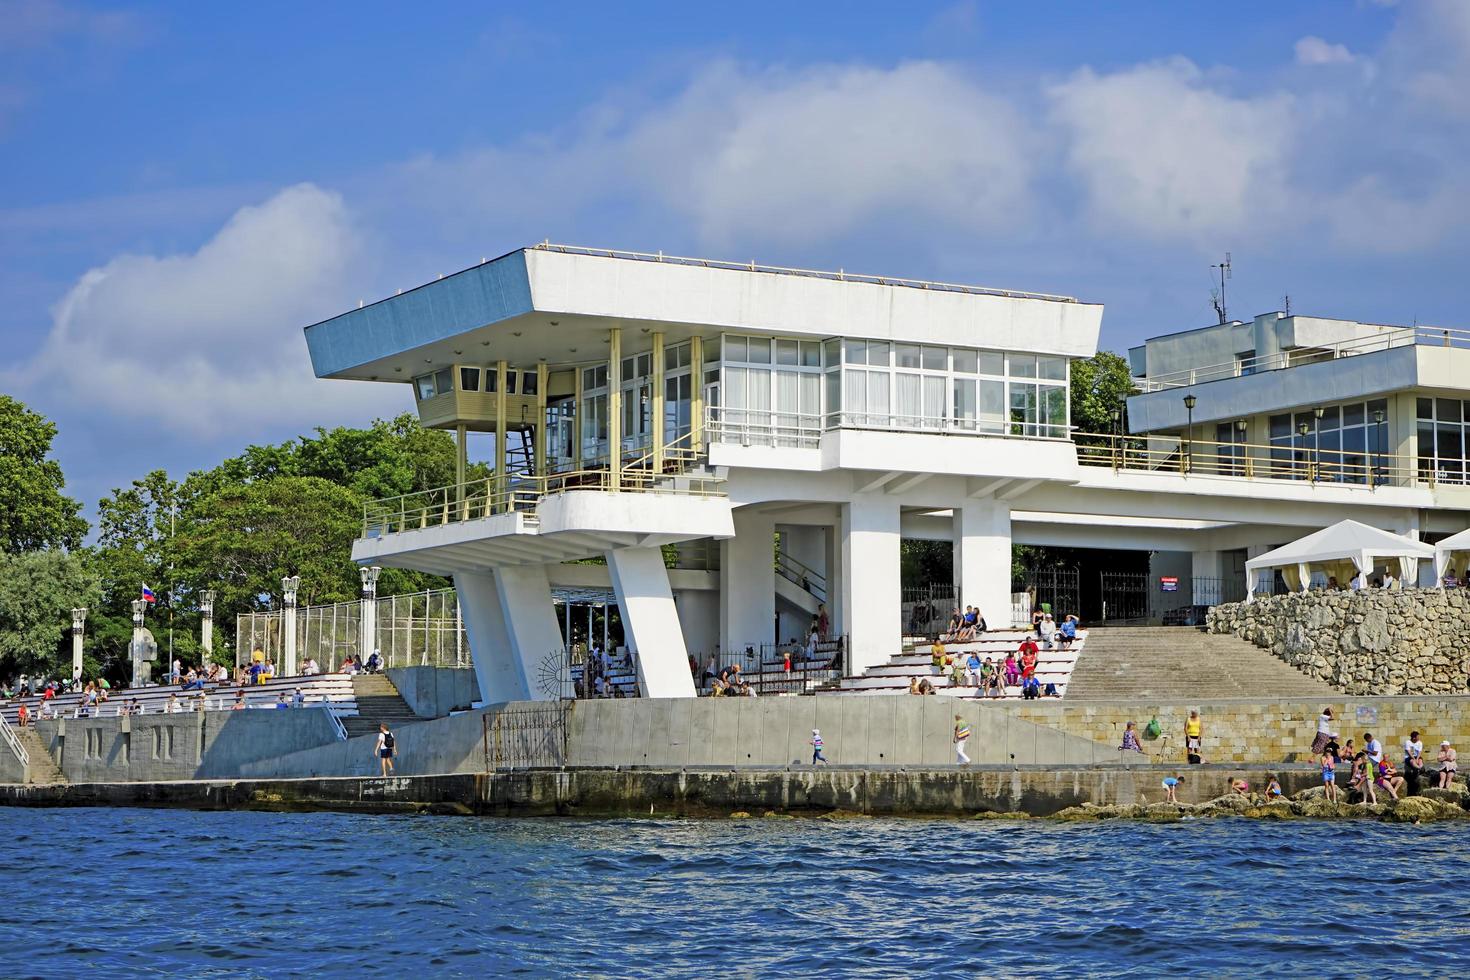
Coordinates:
column 34, row 513
column 38, row 590
column 1101, row 385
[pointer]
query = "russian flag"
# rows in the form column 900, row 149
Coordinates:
column 148, row 595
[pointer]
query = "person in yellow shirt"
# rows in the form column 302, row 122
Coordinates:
column 937, row 653
column 1194, row 733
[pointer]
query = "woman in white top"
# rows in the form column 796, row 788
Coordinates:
column 1325, row 732
column 1447, row 764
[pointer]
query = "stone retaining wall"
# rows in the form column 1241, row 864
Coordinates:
column 1372, row 641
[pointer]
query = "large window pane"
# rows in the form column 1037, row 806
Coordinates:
column 1352, row 414
column 964, row 402
column 1447, row 409
column 737, row 350
column 1022, row 365
column 760, row 350
column 907, row 355
column 1054, row 407
column 934, row 400
column 878, row 353
column 854, row 351
column 935, row 359
column 992, row 363
column 469, row 379
column 1052, row 368
column 964, row 361
column 854, row 395
column 908, row 402
column 786, row 352
column 1023, row 409
column 425, row 386
column 992, row 405
column 443, row 381
column 1424, row 408
column 878, row 408
column 811, row 353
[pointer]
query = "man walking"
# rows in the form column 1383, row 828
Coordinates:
column 385, row 749
column 961, row 736
column 817, row 755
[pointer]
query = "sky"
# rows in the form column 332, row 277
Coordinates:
column 184, row 187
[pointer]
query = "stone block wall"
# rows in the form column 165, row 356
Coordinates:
column 1373, row 641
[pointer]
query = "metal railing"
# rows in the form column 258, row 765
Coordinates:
column 840, row 275
column 802, row 575
column 13, row 740
column 1391, row 338
column 1250, row 461
column 795, row 430
column 337, row 725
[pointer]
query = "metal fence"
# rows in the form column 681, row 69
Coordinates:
column 417, row 629
column 525, row 736
column 926, row 608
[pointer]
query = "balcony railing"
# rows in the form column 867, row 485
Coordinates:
column 1240, row 367
column 1179, row 456
column 751, row 427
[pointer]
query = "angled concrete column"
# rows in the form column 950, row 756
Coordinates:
column 748, row 583
column 982, row 559
column 498, row 674
column 651, row 622
column 530, row 622
column 870, row 578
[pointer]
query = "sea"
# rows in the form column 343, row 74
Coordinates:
column 133, row 892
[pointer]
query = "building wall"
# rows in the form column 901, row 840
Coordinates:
column 433, row 692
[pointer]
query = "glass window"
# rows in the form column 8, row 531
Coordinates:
column 1054, row 411
column 1023, row 409
column 1352, row 414
column 878, row 353
column 786, row 352
column 908, row 355
column 936, row 359
column 878, row 397
column 833, row 350
column 854, row 352
column 1052, row 368
column 1425, row 408
column 645, row 364
column 811, row 353
column 834, row 392
column 992, row 405
column 443, row 381
column 964, row 361
column 992, row 362
column 1447, row 409
column 1329, row 419
column 1023, row 365
column 492, row 380
column 964, row 402
column 736, row 350
column 469, row 379
column 425, row 386
column 510, row 382
column 1377, row 405
column 760, row 350
column 529, row 382
column 676, row 357
column 625, row 369
column 1280, row 426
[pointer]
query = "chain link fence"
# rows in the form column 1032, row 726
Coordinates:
column 417, row 629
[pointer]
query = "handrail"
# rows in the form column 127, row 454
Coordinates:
column 804, row 430
column 798, row 573
column 1302, row 462
column 1393, row 337
column 337, row 725
column 840, row 275
column 13, row 740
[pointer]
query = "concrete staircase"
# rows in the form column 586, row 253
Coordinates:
column 43, row 770
column 377, row 701
column 1181, row 663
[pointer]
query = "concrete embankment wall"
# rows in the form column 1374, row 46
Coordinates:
column 195, row 745
column 639, row 792
column 1258, row 732
column 700, row 732
column 433, row 692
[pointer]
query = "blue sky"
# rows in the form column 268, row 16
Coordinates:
column 184, row 186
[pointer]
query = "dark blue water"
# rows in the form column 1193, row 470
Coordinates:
column 131, row 892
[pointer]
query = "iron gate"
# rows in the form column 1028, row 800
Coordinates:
column 1125, row 595
column 526, row 736
column 1054, row 587
column 926, row 608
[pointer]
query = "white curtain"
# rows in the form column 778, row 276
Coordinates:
column 934, row 401
column 908, row 401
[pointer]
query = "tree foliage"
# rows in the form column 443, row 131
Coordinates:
column 34, row 512
column 1100, row 388
column 38, row 590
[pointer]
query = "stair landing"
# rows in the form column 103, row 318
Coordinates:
column 377, row 701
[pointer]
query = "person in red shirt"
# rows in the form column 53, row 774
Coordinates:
column 1028, row 652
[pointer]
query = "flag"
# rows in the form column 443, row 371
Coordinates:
column 148, row 595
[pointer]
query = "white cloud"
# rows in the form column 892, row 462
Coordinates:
column 209, row 343
column 1312, row 50
column 1428, row 55
column 1159, row 152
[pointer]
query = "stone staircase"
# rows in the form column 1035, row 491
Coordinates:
column 377, row 701
column 1182, row 663
column 43, row 770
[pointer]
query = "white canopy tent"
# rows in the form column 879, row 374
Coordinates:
column 1343, row 551
column 1452, row 557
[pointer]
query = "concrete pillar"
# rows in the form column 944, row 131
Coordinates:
column 870, row 578
column 461, row 464
column 289, row 585
column 651, row 622
column 982, row 559
column 1267, row 341
column 615, row 407
column 542, row 379
column 1207, row 585
column 748, row 583
column 657, row 383
column 78, row 625
column 367, row 623
column 139, row 605
column 206, row 625
column 496, row 671
column 579, row 415
column 696, row 392
column 530, row 625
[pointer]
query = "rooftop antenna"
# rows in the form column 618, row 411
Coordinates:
column 1217, row 295
column 1287, row 311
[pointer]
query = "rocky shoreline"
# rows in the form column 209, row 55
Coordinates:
column 1312, row 804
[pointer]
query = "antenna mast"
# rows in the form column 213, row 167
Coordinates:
column 1217, row 295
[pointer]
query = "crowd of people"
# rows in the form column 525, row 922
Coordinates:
column 600, row 671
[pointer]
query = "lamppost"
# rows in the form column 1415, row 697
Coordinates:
column 1301, row 429
column 368, row 621
column 1189, row 402
column 140, row 606
column 1241, row 425
column 1117, row 436
column 78, row 624
column 289, row 584
column 1319, row 411
column 1378, row 416
column 206, row 625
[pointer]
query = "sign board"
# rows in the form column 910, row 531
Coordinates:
column 1366, row 714
column 1168, row 583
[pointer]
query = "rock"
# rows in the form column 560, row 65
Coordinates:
column 739, row 815
column 1000, row 815
column 1415, row 809
column 1076, row 814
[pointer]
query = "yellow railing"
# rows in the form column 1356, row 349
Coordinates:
column 493, row 495
column 1300, row 462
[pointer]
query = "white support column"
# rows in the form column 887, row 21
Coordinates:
column 206, row 626
column 530, row 623
column 139, row 607
column 496, row 671
column 289, row 586
column 78, row 625
column 870, row 578
column 982, row 559
column 367, row 624
column 747, row 583
column 651, row 622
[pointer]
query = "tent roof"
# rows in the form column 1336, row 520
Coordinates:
column 1345, row 539
column 1455, row 542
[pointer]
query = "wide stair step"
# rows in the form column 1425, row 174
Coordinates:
column 44, row 771
column 1182, row 663
column 378, row 701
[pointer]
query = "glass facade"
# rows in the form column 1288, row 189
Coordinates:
column 1443, row 439
column 1346, row 445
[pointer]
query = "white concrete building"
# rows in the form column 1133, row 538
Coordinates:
column 782, row 430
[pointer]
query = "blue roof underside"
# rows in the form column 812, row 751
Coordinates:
column 485, row 294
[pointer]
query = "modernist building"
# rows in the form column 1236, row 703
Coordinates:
column 777, row 432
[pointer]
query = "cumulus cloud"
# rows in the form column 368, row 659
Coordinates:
column 209, row 342
column 1158, row 151
column 1312, row 50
